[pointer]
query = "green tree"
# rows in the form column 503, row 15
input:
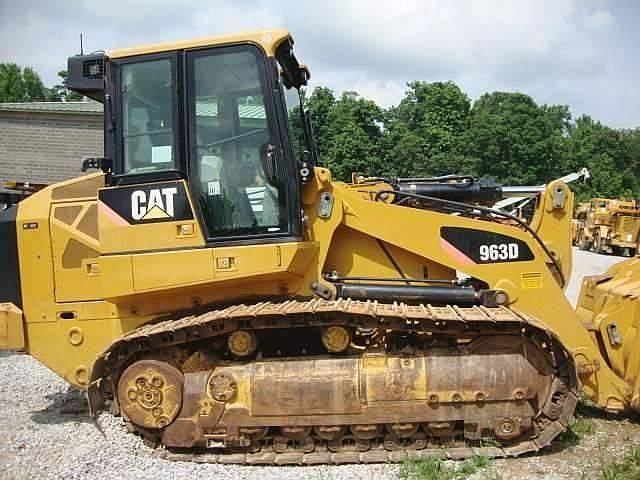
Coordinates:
column 295, row 123
column 423, row 134
column 631, row 145
column 515, row 140
column 12, row 87
column 61, row 92
column 347, row 132
column 436, row 112
column 604, row 152
column 25, row 85
column 321, row 105
column 405, row 152
column 34, row 88
column 354, row 132
column 556, row 123
column 507, row 135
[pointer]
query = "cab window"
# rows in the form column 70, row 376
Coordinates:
column 147, row 113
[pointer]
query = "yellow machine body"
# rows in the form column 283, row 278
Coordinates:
column 88, row 281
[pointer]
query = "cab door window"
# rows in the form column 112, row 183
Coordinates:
column 234, row 145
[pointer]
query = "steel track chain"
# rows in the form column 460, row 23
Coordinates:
column 318, row 312
column 323, row 458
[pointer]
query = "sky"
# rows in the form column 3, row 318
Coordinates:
column 581, row 53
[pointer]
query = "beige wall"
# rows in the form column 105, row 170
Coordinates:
column 43, row 147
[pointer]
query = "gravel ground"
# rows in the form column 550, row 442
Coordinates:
column 45, row 432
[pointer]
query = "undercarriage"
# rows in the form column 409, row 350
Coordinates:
column 340, row 382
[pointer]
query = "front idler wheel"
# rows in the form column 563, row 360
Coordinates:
column 150, row 393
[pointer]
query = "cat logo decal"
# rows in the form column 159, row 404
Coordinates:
column 148, row 203
column 153, row 204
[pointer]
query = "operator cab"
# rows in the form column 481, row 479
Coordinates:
column 212, row 113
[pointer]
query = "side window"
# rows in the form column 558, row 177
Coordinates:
column 147, row 111
column 235, row 147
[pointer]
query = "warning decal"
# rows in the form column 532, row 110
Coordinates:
column 531, row 280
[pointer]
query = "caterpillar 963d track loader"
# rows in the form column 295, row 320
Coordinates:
column 226, row 297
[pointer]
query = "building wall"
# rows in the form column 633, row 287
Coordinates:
column 44, row 147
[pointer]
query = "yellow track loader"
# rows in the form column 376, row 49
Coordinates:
column 229, row 299
column 609, row 226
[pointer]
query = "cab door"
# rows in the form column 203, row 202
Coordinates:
column 240, row 171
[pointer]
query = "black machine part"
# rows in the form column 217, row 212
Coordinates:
column 10, row 290
column 420, row 294
column 462, row 189
column 86, row 75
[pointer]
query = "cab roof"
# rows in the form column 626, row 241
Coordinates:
column 269, row 40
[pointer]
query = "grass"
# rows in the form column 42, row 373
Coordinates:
column 568, row 438
column 490, row 442
column 324, row 474
column 579, row 428
column 628, row 468
column 582, row 426
column 432, row 468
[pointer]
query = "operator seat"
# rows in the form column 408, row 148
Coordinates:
column 227, row 202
